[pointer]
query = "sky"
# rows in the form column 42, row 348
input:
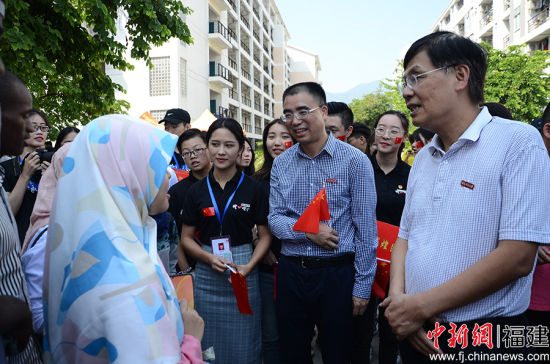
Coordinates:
column 358, row 41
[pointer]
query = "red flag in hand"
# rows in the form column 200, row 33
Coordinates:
column 238, row 281
column 316, row 211
column 387, row 235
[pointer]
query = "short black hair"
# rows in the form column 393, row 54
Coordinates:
column 360, row 129
column 497, row 109
column 426, row 134
column 189, row 134
column 34, row 111
column 342, row 110
column 312, row 88
column 450, row 49
column 230, row 124
column 63, row 133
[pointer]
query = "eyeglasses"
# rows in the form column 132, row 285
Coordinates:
column 195, row 152
column 411, row 80
column 381, row 131
column 302, row 114
column 44, row 128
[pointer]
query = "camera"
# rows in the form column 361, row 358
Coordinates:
column 45, row 155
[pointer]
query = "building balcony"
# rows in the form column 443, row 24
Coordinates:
column 224, row 112
column 245, row 47
column 507, row 4
column 233, row 5
column 219, row 36
column 246, row 101
column 221, row 5
column 245, row 21
column 506, row 41
column 233, row 94
column 257, row 83
column 256, row 12
column 232, row 63
column 220, row 77
column 257, row 106
column 486, row 18
column 537, row 19
column 245, row 74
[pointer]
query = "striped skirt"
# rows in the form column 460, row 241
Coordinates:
column 236, row 338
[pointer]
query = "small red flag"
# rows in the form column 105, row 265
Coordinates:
column 180, row 173
column 288, row 144
column 342, row 138
column 316, row 211
column 387, row 235
column 398, row 140
column 240, row 289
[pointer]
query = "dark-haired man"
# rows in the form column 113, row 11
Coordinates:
column 323, row 279
column 192, row 144
column 476, row 210
column 359, row 136
column 15, row 315
column 339, row 120
column 176, row 121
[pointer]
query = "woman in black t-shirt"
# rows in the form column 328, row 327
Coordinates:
column 22, row 174
column 276, row 139
column 224, row 207
column 390, row 176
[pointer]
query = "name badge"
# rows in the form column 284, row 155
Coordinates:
column 208, row 211
column 221, row 246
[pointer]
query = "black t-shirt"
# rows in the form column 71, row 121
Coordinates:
column 275, row 246
column 390, row 191
column 177, row 198
column 249, row 207
column 12, row 171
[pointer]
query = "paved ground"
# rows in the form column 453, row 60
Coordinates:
column 317, row 354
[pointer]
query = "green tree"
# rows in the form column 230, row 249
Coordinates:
column 517, row 80
column 369, row 107
column 60, row 48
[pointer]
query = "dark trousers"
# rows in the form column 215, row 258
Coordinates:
column 411, row 356
column 314, row 297
column 363, row 331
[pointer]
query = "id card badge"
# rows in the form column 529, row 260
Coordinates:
column 221, row 246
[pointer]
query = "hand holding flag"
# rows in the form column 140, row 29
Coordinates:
column 315, row 212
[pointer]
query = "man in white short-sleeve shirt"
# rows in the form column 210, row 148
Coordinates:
column 476, row 208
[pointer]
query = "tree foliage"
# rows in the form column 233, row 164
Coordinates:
column 387, row 97
column 517, row 80
column 60, row 48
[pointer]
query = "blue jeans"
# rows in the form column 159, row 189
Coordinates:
column 270, row 334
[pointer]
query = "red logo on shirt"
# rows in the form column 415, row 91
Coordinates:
column 467, row 184
column 208, row 211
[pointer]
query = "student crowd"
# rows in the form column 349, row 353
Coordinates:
column 91, row 235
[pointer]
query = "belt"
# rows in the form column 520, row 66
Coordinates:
column 315, row 262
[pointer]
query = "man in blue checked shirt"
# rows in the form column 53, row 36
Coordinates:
column 476, row 210
column 323, row 279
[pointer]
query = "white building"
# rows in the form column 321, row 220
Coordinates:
column 500, row 23
column 237, row 66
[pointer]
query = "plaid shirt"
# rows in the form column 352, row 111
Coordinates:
column 348, row 177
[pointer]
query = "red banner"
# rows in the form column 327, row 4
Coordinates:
column 387, row 235
column 238, row 281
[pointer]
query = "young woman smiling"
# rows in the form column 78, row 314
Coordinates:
column 224, row 207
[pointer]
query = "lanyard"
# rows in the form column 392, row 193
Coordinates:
column 220, row 218
column 176, row 161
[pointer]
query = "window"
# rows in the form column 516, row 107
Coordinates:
column 183, row 77
column 159, row 76
column 158, row 114
column 516, row 21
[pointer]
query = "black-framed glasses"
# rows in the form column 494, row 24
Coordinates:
column 196, row 152
column 411, row 80
column 302, row 114
column 43, row 128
